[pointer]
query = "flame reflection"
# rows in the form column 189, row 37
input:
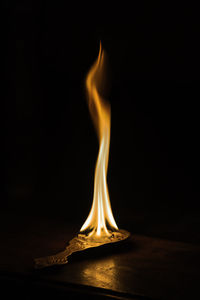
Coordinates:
column 101, row 274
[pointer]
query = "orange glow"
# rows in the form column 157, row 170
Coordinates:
column 100, row 221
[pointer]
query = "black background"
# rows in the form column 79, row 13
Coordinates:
column 51, row 145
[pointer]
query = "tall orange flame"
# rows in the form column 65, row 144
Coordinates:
column 100, row 221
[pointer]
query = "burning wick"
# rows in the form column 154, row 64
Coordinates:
column 100, row 227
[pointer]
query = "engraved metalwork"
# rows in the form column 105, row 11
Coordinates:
column 80, row 243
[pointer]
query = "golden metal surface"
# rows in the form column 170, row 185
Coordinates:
column 80, row 243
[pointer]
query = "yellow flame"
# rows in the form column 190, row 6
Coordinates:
column 100, row 221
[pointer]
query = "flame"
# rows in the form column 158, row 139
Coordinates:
column 100, row 221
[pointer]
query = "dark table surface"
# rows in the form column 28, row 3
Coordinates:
column 149, row 266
